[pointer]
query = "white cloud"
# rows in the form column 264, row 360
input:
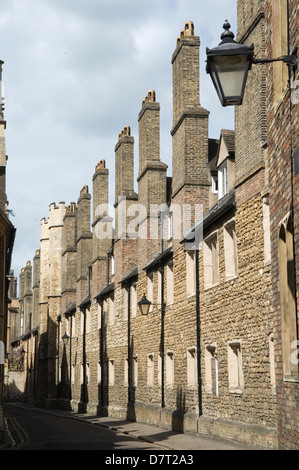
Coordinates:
column 75, row 73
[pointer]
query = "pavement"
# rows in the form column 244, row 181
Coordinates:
column 166, row 439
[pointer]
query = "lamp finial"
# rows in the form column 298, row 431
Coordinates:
column 227, row 33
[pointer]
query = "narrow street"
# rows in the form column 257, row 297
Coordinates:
column 30, row 430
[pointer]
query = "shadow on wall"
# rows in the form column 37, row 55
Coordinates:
column 45, row 380
column 131, row 413
column 15, row 388
column 178, row 416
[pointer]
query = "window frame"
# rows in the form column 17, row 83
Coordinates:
column 222, row 179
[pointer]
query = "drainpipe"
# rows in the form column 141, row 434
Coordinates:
column 162, row 337
column 107, row 268
column 129, row 342
column 197, row 293
column 58, row 354
column 89, row 267
column 84, row 358
column 71, row 329
column 102, row 353
column 84, row 336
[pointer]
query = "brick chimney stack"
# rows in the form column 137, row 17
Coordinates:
column 84, row 246
column 125, row 247
column 69, row 257
column 28, row 296
column 35, row 289
column 152, row 176
column 190, row 182
column 102, row 236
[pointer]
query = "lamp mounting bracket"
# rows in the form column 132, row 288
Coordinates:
column 290, row 60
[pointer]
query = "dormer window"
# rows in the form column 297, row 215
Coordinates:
column 222, row 180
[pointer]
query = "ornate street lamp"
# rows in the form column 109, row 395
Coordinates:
column 229, row 63
column 65, row 338
column 144, row 305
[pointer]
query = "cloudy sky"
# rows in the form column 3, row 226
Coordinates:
column 75, row 73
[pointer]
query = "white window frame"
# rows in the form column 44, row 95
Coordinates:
column 150, row 289
column 88, row 320
column 73, row 322
column 212, row 385
column 99, row 316
column 267, row 232
column 192, row 366
column 126, row 372
column 150, row 370
column 125, row 300
column 190, row 273
column 169, row 369
column 170, row 283
column 159, row 371
column 135, row 371
column 235, row 367
column 211, row 260
column 134, row 300
column 111, row 311
column 222, row 180
column 111, row 371
column 230, row 250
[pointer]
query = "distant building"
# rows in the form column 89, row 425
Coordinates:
column 213, row 248
column 7, row 236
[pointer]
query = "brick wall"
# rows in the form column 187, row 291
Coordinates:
column 283, row 131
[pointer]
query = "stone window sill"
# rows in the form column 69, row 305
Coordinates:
column 231, row 278
column 236, row 390
column 211, row 286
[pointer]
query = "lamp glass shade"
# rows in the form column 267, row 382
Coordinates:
column 229, row 75
column 228, row 65
column 65, row 339
column 144, row 305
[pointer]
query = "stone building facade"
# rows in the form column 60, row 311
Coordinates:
column 7, row 237
column 199, row 245
column 282, row 139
